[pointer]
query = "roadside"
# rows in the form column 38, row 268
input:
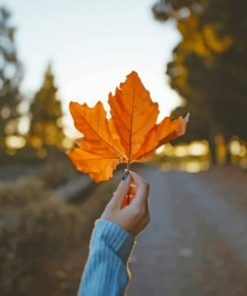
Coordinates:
column 196, row 243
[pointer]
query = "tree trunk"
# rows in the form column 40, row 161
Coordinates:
column 228, row 153
column 212, row 148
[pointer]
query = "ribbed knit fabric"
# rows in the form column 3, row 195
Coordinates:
column 106, row 272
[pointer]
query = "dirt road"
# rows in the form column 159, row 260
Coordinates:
column 196, row 243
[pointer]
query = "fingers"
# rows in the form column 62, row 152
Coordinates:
column 139, row 206
column 121, row 192
column 141, row 191
column 130, row 195
column 131, row 213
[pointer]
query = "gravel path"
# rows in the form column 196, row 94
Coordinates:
column 196, row 243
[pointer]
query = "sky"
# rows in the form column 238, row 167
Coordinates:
column 93, row 45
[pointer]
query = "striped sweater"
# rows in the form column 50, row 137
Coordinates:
column 106, row 272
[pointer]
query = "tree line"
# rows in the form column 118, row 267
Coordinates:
column 209, row 66
column 208, row 69
column 44, row 112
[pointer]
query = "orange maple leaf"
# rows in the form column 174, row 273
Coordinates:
column 131, row 134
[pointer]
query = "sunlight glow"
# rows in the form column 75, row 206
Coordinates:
column 198, row 148
column 168, row 149
column 195, row 148
column 235, row 147
column 181, row 151
column 93, row 45
column 243, row 151
column 160, row 150
column 194, row 166
column 15, row 142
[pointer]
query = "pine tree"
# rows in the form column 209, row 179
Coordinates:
column 46, row 129
column 10, row 77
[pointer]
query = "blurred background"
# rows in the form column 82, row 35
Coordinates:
column 191, row 56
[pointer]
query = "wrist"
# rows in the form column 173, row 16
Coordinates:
column 114, row 236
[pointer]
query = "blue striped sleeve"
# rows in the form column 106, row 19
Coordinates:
column 106, row 272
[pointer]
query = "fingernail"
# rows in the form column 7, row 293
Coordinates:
column 125, row 176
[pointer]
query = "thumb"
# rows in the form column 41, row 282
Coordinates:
column 122, row 190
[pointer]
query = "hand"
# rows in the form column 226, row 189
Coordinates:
column 133, row 217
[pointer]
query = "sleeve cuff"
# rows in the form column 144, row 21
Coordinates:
column 115, row 237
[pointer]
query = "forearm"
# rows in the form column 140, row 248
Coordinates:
column 106, row 272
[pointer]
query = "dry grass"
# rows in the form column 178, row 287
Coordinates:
column 44, row 241
column 21, row 192
column 57, row 171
